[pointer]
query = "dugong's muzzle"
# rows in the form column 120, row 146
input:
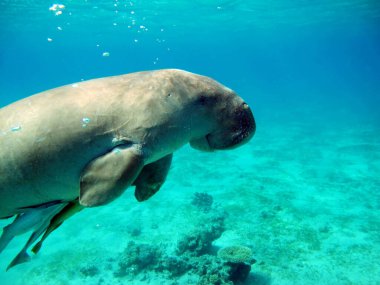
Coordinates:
column 234, row 129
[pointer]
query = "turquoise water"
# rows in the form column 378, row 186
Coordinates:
column 303, row 194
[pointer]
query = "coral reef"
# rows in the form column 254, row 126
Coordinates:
column 235, row 254
column 210, row 270
column 89, row 270
column 202, row 201
column 199, row 241
column 236, row 258
column 193, row 255
column 174, row 266
column 213, row 279
column 137, row 257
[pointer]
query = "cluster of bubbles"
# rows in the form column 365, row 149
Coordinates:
column 126, row 15
column 57, row 10
column 135, row 24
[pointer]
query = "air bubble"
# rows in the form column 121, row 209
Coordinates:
column 85, row 122
column 16, row 129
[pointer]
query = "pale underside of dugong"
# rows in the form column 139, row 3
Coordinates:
column 95, row 138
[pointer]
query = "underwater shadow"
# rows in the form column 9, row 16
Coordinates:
column 257, row 279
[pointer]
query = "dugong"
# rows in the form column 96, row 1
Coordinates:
column 91, row 140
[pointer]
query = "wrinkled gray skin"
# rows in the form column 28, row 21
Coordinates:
column 95, row 138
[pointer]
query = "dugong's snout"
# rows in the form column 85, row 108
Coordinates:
column 245, row 128
column 235, row 128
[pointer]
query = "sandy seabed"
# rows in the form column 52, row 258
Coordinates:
column 306, row 200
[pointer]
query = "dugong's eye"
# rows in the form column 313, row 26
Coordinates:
column 202, row 100
column 206, row 99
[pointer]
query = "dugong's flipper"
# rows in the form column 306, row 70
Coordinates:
column 42, row 217
column 106, row 177
column 152, row 177
column 68, row 211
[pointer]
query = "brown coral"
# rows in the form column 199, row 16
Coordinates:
column 235, row 254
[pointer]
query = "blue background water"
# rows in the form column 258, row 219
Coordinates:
column 273, row 52
column 309, row 69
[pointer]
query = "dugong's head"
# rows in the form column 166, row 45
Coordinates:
column 226, row 120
